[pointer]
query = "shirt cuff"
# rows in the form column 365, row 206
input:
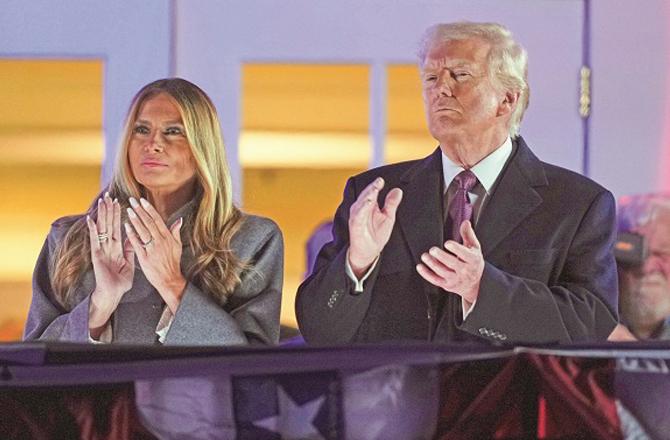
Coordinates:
column 164, row 324
column 350, row 273
column 105, row 336
column 466, row 313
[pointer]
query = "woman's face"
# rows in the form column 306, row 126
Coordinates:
column 159, row 154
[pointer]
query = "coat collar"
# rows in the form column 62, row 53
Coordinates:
column 512, row 199
column 420, row 212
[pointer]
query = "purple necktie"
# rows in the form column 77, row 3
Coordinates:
column 460, row 208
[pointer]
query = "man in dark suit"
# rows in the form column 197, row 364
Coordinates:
column 480, row 241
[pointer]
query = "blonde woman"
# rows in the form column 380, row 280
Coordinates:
column 163, row 255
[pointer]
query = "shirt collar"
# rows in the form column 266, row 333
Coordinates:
column 487, row 170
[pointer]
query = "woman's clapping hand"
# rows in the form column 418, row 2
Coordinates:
column 158, row 249
column 113, row 261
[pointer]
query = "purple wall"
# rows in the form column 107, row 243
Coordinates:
column 629, row 122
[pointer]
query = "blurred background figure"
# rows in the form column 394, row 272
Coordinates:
column 643, row 259
column 321, row 235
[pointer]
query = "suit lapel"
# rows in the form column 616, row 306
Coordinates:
column 420, row 212
column 513, row 197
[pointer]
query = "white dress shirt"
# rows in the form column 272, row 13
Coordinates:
column 486, row 170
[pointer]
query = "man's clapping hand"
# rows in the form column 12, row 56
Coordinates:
column 369, row 226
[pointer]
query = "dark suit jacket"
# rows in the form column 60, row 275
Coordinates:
column 547, row 236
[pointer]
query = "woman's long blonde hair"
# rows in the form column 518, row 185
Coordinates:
column 216, row 269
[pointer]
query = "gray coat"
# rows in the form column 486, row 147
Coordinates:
column 250, row 315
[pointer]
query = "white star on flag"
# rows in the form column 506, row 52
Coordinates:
column 293, row 421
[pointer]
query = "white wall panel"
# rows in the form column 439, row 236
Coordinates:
column 630, row 123
column 131, row 37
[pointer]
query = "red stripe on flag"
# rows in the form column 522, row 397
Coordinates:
column 541, row 417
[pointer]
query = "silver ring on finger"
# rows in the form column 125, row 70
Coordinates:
column 148, row 243
column 103, row 237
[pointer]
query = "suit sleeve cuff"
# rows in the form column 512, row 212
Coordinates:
column 164, row 324
column 358, row 284
column 105, row 337
column 469, row 310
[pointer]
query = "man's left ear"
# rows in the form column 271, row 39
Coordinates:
column 509, row 103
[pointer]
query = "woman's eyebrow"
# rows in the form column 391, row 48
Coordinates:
column 173, row 121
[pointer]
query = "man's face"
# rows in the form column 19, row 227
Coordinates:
column 645, row 291
column 460, row 97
